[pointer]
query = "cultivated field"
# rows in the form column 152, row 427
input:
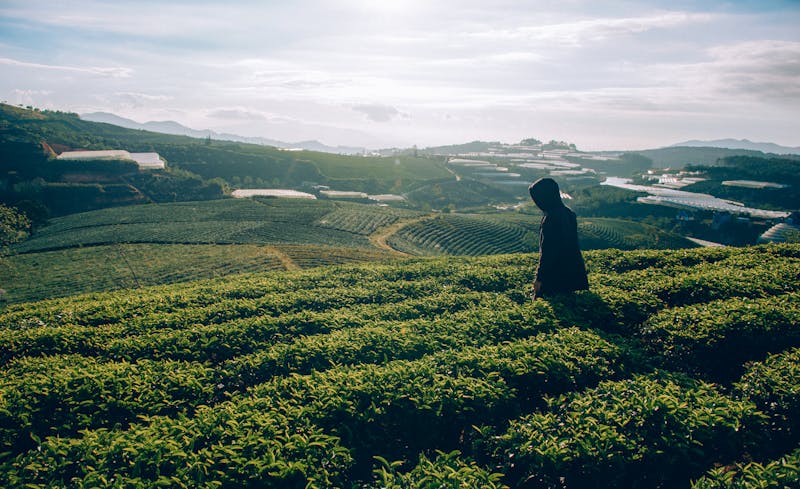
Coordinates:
column 677, row 368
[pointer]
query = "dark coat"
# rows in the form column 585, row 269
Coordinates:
column 561, row 267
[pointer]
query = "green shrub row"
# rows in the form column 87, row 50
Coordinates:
column 217, row 342
column 60, row 395
column 393, row 410
column 63, row 394
column 211, row 297
column 656, row 430
column 229, row 445
column 399, row 408
column 783, row 473
column 489, row 322
column 446, row 471
column 715, row 339
column 774, row 386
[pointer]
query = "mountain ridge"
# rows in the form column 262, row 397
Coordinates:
column 176, row 128
column 731, row 143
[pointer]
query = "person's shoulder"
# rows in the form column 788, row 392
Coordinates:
column 563, row 211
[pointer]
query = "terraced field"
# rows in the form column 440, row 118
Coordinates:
column 677, row 369
column 47, row 274
column 230, row 221
column 479, row 234
column 153, row 244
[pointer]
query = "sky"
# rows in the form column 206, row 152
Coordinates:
column 605, row 75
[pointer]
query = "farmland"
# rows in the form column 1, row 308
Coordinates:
column 430, row 372
column 486, row 234
column 69, row 271
column 153, row 244
column 227, row 221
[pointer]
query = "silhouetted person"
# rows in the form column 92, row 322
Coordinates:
column 561, row 268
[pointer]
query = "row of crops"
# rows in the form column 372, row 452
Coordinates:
column 677, row 368
column 69, row 271
column 227, row 221
column 304, row 222
column 511, row 233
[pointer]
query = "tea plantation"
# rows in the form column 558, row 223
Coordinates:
column 677, row 369
column 154, row 244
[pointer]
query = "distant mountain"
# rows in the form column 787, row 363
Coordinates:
column 741, row 144
column 680, row 156
column 175, row 128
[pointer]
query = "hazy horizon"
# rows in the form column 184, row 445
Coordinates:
column 604, row 75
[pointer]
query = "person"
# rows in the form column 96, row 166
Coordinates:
column 561, row 267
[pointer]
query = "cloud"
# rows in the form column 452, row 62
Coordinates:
column 112, row 72
column 237, row 114
column 379, row 112
column 137, row 100
column 761, row 69
column 30, row 97
column 593, row 30
column 144, row 96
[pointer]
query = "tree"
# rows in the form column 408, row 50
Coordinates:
column 14, row 226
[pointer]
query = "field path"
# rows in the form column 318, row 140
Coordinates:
column 285, row 259
column 379, row 237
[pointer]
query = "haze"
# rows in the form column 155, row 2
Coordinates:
column 601, row 74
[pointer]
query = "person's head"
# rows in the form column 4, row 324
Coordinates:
column 545, row 194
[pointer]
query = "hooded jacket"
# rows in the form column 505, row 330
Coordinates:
column 561, row 267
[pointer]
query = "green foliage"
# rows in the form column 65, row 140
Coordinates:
column 778, row 474
column 60, row 395
column 772, row 385
column 14, row 226
column 714, row 339
column 212, row 159
column 648, row 431
column 69, row 271
column 681, row 156
column 229, row 221
column 320, row 377
column 447, row 470
column 483, row 234
column 229, row 445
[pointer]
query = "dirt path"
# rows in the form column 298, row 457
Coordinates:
column 379, row 237
column 285, row 260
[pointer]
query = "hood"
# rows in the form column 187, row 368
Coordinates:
column 545, row 194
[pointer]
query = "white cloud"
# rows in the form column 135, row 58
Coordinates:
column 581, row 32
column 379, row 112
column 239, row 114
column 112, row 72
column 30, row 97
column 512, row 65
column 767, row 70
column 144, row 96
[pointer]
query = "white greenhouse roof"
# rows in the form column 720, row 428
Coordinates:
column 146, row 161
column 271, row 192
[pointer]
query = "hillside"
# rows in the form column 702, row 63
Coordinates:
column 743, row 144
column 677, row 368
column 196, row 168
column 152, row 244
column 681, row 156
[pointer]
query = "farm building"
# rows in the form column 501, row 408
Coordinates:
column 271, row 192
column 146, row 161
column 781, row 233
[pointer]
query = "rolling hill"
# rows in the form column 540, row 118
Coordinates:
column 196, row 168
column 677, row 369
column 150, row 244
